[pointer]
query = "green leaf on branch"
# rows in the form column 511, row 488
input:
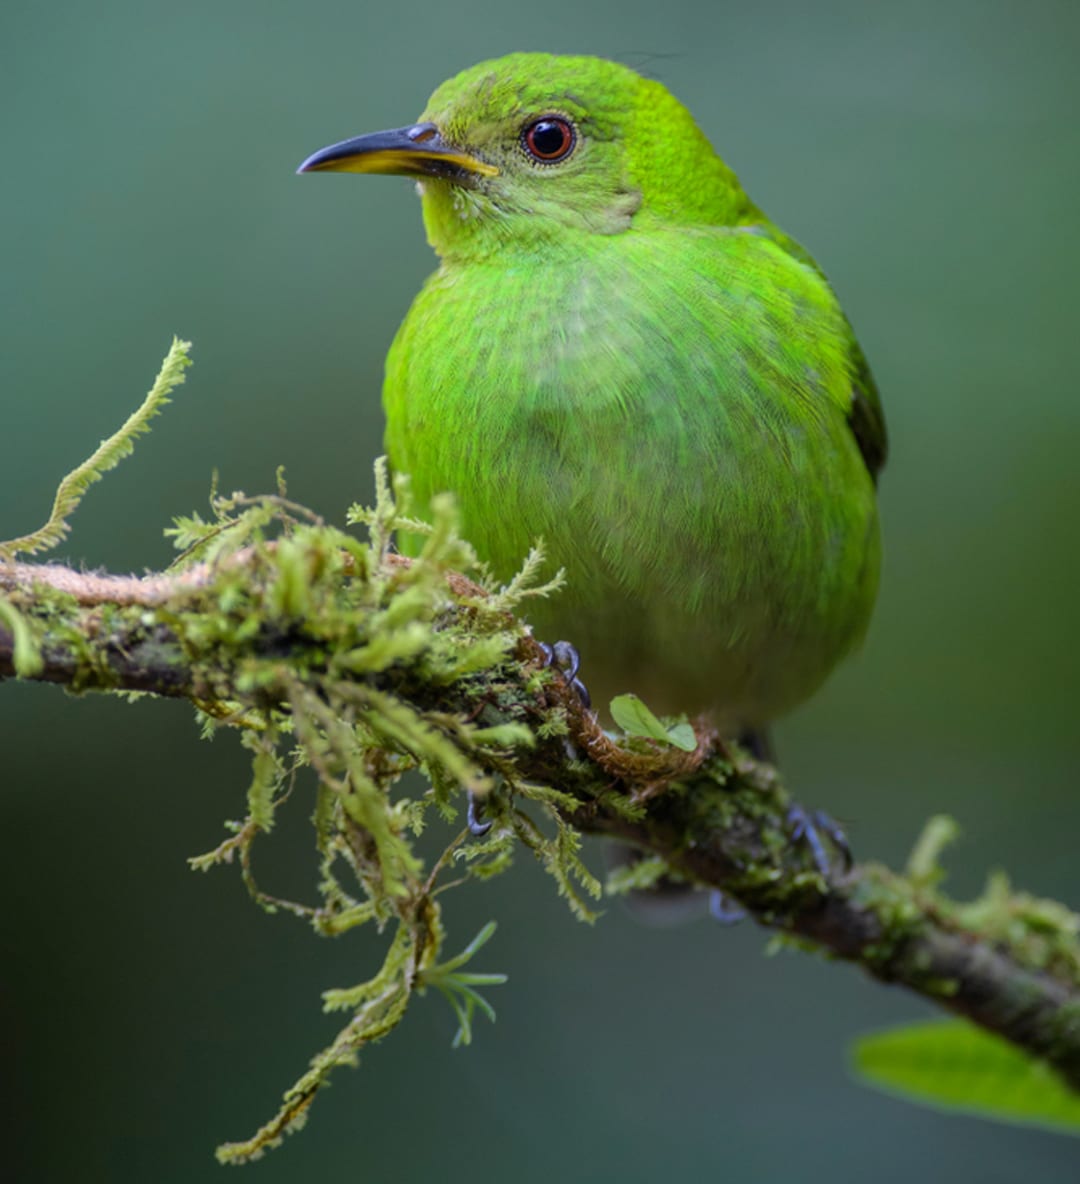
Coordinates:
column 952, row 1065
column 635, row 719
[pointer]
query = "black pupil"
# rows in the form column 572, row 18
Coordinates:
column 548, row 138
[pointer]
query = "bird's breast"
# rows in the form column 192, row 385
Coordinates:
column 673, row 428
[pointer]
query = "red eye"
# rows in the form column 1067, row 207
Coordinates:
column 549, row 139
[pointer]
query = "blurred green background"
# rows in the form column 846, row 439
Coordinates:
column 927, row 154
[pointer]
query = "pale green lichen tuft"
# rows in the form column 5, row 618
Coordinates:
column 379, row 633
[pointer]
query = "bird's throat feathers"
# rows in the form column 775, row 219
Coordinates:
column 638, row 159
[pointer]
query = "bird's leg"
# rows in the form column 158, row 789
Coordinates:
column 567, row 661
column 810, row 826
column 758, row 743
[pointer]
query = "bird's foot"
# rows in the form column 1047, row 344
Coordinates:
column 567, row 661
column 809, row 827
column 724, row 910
column 474, row 817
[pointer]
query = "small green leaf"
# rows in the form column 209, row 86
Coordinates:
column 457, row 988
column 682, row 736
column 956, row 1066
column 635, row 719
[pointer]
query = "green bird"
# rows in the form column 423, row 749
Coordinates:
column 622, row 355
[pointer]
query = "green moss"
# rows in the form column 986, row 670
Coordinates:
column 328, row 654
column 638, row 875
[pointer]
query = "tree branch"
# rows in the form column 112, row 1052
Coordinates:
column 712, row 816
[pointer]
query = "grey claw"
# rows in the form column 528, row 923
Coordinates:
column 839, row 840
column 477, row 828
column 810, row 827
column 565, row 658
column 724, row 910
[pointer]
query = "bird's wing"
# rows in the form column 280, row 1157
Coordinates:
column 865, row 415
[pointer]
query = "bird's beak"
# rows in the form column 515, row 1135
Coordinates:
column 417, row 151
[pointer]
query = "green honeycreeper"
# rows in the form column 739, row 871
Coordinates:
column 621, row 354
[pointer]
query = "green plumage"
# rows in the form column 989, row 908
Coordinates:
column 620, row 354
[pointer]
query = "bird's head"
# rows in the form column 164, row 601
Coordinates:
column 532, row 149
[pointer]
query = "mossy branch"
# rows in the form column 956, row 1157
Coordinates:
column 344, row 665
column 1009, row 962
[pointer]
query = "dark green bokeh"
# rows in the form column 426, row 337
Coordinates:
column 927, row 154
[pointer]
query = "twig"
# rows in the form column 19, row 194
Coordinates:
column 720, row 826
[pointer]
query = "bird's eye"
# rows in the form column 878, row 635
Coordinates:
column 549, row 140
